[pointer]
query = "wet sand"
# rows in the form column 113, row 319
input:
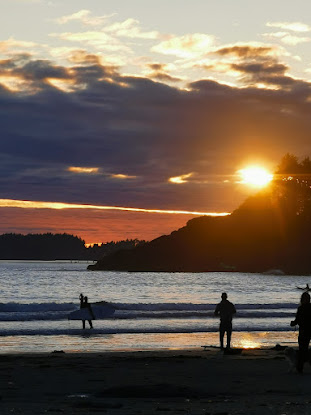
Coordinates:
column 175, row 382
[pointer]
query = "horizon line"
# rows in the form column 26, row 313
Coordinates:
column 29, row 204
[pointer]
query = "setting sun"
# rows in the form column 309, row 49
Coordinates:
column 255, row 176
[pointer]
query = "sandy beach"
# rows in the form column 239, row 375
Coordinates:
column 175, row 381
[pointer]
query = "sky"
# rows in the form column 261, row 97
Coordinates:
column 152, row 106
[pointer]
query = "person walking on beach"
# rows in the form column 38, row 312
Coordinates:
column 85, row 304
column 303, row 319
column 225, row 309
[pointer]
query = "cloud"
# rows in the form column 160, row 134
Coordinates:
column 287, row 38
column 130, row 28
column 255, row 64
column 83, row 170
column 13, row 47
column 83, row 16
column 97, row 39
column 293, row 26
column 263, row 71
column 186, row 46
column 161, row 72
column 245, row 50
column 121, row 176
column 180, row 179
column 27, row 204
column 145, row 131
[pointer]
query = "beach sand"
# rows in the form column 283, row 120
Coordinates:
column 175, row 382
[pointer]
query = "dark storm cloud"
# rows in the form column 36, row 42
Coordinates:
column 137, row 127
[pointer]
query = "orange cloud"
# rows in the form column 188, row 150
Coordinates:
column 28, row 204
column 180, row 179
column 85, row 170
column 122, row 176
column 246, row 50
column 159, row 71
column 186, row 46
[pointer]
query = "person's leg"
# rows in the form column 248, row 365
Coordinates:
column 221, row 336
column 303, row 341
column 83, row 324
column 229, row 333
column 91, row 324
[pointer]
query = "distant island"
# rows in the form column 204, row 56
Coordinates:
column 49, row 246
column 270, row 230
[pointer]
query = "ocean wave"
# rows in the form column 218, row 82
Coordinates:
column 58, row 316
column 53, row 306
column 127, row 311
column 191, row 306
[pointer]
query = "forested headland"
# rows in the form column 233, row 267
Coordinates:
column 270, row 230
column 48, row 246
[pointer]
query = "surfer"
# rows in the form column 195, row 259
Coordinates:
column 85, row 304
column 307, row 288
column 225, row 309
column 303, row 319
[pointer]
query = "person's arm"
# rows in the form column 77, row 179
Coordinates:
column 217, row 311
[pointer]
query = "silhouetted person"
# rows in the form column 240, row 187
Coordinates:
column 85, row 304
column 81, row 298
column 225, row 309
column 303, row 319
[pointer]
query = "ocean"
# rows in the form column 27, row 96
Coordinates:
column 153, row 311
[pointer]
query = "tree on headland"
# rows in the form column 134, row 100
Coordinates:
column 271, row 229
column 48, row 246
column 292, row 184
column 45, row 246
column 98, row 251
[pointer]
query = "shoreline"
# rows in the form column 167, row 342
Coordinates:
column 253, row 381
column 89, row 342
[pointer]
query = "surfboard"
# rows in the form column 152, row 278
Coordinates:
column 304, row 289
column 100, row 311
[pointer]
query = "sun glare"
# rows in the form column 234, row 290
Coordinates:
column 255, row 176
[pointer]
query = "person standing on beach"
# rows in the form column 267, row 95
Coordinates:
column 303, row 319
column 225, row 309
column 85, row 304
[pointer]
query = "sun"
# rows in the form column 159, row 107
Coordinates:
column 255, row 176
